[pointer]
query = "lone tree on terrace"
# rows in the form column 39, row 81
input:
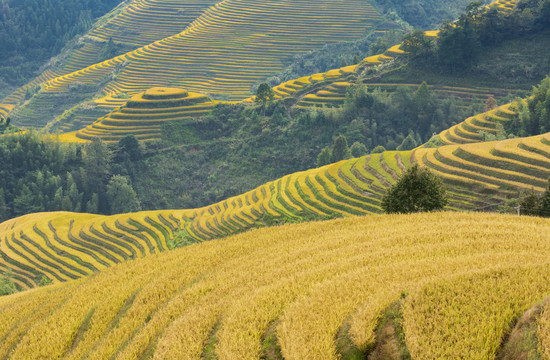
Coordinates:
column 417, row 190
column 264, row 94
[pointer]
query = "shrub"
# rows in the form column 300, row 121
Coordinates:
column 7, row 286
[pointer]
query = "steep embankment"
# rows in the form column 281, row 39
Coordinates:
column 299, row 291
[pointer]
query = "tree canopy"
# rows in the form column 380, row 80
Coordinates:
column 417, row 190
column 264, row 94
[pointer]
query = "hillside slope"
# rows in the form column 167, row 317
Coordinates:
column 130, row 25
column 223, row 52
column 64, row 246
column 497, row 73
column 299, row 291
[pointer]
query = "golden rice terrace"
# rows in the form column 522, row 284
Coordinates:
column 144, row 114
column 230, row 46
column 458, row 282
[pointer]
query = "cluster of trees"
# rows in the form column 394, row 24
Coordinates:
column 534, row 117
column 45, row 175
column 32, row 31
column 461, row 43
column 424, row 14
column 5, row 125
column 376, row 121
column 536, row 204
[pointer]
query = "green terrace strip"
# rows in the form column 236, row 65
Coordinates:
column 144, row 114
column 64, row 246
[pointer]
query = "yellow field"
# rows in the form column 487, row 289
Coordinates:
column 476, row 128
column 464, row 279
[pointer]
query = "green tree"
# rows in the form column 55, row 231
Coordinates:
column 545, row 202
column 122, row 197
column 4, row 210
column 97, row 161
column 420, row 48
column 129, row 147
column 408, row 143
column 530, row 204
column 26, row 202
column 458, row 46
column 357, row 149
column 92, row 206
column 378, row 150
column 416, row 190
column 264, row 94
column 324, row 157
column 340, row 149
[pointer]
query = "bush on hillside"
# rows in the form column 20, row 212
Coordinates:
column 417, row 190
column 7, row 286
column 536, row 204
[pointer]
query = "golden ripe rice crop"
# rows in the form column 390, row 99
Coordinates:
column 463, row 281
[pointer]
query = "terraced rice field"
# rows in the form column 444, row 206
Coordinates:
column 144, row 114
column 330, row 96
column 478, row 176
column 230, row 46
column 142, row 22
column 476, row 128
column 5, row 110
column 81, row 57
column 497, row 169
column 295, row 291
column 503, row 5
column 319, row 89
column 138, row 23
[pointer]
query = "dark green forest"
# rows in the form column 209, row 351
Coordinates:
column 462, row 43
column 42, row 174
column 32, row 31
column 426, row 14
